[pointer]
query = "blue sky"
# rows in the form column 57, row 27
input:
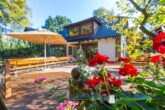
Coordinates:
column 76, row 10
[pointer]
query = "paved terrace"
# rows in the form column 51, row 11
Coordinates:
column 25, row 96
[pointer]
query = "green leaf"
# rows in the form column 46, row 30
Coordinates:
column 143, row 74
column 161, row 2
column 135, row 108
column 128, row 100
column 128, row 81
column 152, row 84
column 140, row 88
column 139, row 80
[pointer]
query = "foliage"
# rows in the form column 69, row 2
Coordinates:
column 57, row 23
column 56, row 93
column 136, row 42
column 102, row 12
column 149, row 14
column 14, row 14
column 12, row 48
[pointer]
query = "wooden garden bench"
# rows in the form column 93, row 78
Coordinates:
column 28, row 63
column 141, row 60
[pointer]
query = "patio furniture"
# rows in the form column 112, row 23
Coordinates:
column 141, row 60
column 29, row 63
column 40, row 37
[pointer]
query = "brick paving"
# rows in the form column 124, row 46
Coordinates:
column 25, row 96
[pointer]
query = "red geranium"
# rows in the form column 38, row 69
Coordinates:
column 128, row 70
column 162, row 49
column 126, row 60
column 158, row 41
column 100, row 59
column 163, row 63
column 100, row 81
column 105, row 92
column 108, row 75
column 118, row 83
column 112, row 81
column 84, row 90
column 92, row 62
column 155, row 59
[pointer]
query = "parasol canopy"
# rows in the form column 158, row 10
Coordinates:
column 40, row 37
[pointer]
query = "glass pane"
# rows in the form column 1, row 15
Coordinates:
column 70, row 51
column 86, row 28
column 74, row 31
column 95, row 50
column 91, row 52
column 74, row 52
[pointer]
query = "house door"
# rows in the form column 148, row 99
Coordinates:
column 90, row 51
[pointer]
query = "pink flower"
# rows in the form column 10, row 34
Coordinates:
column 71, row 60
column 38, row 80
column 81, row 57
column 68, row 105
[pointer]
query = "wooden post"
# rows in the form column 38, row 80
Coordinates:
column 67, row 50
column 7, row 79
column 72, row 52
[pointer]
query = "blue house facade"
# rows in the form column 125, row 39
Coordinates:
column 93, row 36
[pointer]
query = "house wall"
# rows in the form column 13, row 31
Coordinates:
column 107, row 47
column 96, row 27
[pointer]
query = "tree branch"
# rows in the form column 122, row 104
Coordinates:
column 146, row 16
column 148, row 3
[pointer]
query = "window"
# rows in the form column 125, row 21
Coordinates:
column 86, row 28
column 74, row 31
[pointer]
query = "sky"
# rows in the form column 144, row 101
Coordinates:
column 76, row 10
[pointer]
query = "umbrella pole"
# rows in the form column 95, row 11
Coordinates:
column 45, row 52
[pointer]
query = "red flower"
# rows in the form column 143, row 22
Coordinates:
column 92, row 62
column 103, row 87
column 101, row 79
column 128, row 70
column 101, row 59
column 162, row 49
column 126, row 60
column 118, row 83
column 110, row 61
column 108, row 75
column 113, row 80
column 84, row 90
column 105, row 92
column 158, row 41
column 163, row 63
column 155, row 59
